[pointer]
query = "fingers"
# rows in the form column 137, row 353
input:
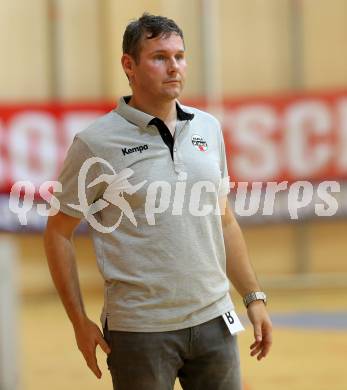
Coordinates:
column 256, row 349
column 267, row 342
column 93, row 364
column 263, row 341
column 88, row 337
column 258, row 333
column 261, row 350
column 89, row 354
column 90, row 357
column 104, row 346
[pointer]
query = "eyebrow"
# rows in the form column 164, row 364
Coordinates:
column 165, row 51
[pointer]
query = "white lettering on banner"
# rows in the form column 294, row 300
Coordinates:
column 301, row 120
column 252, row 128
column 296, row 139
column 330, row 201
column 74, row 122
column 342, row 129
column 21, row 130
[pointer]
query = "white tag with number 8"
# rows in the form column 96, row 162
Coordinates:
column 233, row 322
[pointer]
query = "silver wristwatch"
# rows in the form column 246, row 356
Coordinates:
column 254, row 296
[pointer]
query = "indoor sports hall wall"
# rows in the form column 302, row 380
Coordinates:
column 70, row 49
column 61, row 51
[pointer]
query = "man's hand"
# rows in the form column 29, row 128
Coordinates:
column 88, row 337
column 262, row 326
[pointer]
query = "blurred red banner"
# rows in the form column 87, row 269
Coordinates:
column 296, row 137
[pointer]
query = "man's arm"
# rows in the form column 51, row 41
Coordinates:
column 63, row 269
column 242, row 276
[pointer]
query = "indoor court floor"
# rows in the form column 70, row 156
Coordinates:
column 309, row 349
column 310, row 332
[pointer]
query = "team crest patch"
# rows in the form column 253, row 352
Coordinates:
column 199, row 143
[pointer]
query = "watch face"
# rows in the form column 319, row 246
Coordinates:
column 261, row 295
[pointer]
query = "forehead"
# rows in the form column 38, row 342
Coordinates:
column 172, row 42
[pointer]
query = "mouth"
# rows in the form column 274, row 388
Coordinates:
column 172, row 82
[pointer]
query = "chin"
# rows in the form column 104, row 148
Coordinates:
column 173, row 94
column 172, row 90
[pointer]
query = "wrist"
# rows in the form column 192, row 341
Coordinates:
column 255, row 304
column 79, row 320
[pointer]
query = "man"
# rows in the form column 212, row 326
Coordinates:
column 153, row 179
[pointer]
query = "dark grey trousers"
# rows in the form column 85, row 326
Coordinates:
column 203, row 357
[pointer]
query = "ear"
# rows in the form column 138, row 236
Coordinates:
column 128, row 65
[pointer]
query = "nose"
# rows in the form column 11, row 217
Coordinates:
column 173, row 65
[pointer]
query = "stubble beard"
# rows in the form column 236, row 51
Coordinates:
column 175, row 93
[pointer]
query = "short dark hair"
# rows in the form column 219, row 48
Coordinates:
column 147, row 27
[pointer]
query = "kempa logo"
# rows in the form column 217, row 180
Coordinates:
column 199, row 143
column 140, row 149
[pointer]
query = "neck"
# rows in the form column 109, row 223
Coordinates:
column 166, row 111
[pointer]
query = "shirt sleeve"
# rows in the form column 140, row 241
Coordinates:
column 80, row 168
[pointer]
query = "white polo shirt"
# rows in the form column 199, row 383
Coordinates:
column 156, row 195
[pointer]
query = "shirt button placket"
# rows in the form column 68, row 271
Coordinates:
column 177, row 163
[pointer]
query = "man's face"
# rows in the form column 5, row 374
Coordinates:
column 161, row 69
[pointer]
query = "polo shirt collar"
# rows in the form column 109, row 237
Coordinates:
column 141, row 119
